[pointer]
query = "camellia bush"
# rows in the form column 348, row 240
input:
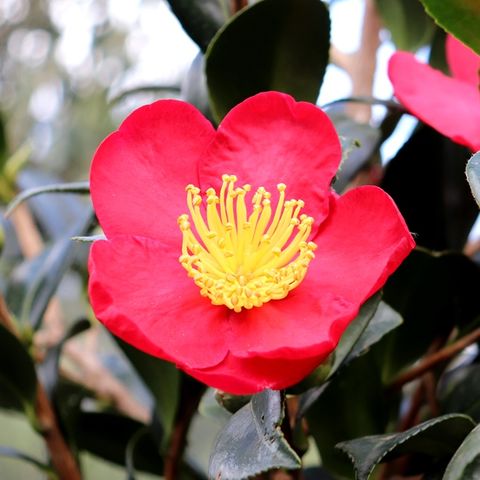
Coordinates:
column 258, row 295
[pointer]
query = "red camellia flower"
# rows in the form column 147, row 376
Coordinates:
column 451, row 105
column 209, row 260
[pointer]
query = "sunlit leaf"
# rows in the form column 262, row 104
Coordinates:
column 461, row 18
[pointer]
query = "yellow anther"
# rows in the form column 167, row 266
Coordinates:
column 244, row 257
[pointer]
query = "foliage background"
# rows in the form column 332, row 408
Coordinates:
column 69, row 72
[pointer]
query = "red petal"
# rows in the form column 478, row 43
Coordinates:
column 269, row 139
column 449, row 105
column 139, row 172
column 464, row 63
column 363, row 240
column 248, row 376
column 142, row 294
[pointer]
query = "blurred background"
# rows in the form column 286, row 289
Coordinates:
column 70, row 71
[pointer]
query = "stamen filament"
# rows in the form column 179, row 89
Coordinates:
column 241, row 259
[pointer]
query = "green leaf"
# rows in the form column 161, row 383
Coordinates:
column 384, row 321
column 107, row 435
column 426, row 179
column 461, row 18
column 18, row 380
column 437, row 438
column 162, row 379
column 14, row 453
column 73, row 187
column 49, row 368
column 374, row 320
column 354, row 331
column 50, row 272
column 465, row 464
column 473, row 176
column 359, row 145
column 459, row 391
column 278, row 45
column 409, row 26
column 353, row 404
column 201, row 19
column 252, row 442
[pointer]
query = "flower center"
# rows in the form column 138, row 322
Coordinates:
column 240, row 257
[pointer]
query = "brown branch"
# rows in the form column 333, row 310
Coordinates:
column 237, row 5
column 360, row 65
column 90, row 372
column 435, row 359
column 190, row 395
column 61, row 456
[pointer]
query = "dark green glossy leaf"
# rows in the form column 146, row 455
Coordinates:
column 73, row 187
column 459, row 391
column 409, row 26
column 353, row 404
column 465, row 464
column 427, row 181
column 107, row 435
column 18, row 380
column 359, row 145
column 473, row 176
column 251, row 442
column 384, row 321
column 437, row 438
column 461, row 18
column 433, row 293
column 161, row 378
column 50, row 272
column 374, row 320
column 278, row 45
column 201, row 19
column 354, row 331
column 48, row 369
column 14, row 453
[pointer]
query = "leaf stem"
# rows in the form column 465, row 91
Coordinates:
column 435, row 359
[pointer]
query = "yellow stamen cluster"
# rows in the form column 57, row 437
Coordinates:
column 240, row 257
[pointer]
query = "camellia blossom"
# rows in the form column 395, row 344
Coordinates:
column 226, row 251
column 451, row 105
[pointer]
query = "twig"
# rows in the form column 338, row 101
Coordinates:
column 435, row 359
column 190, row 395
column 237, row 5
column 62, row 458
column 360, row 65
column 92, row 374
